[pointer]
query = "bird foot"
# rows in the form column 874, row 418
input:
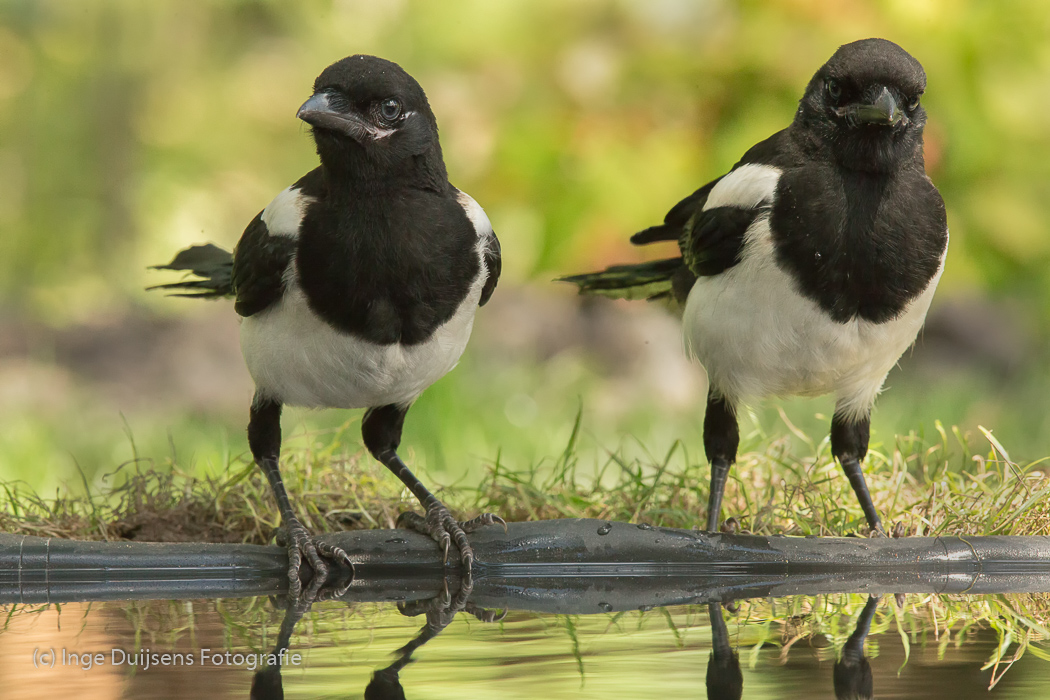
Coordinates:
column 442, row 608
column 732, row 526
column 321, row 558
column 444, row 529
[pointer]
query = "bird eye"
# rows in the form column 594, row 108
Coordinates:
column 390, row 109
column 834, row 89
column 914, row 103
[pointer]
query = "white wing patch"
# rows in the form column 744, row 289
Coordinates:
column 283, row 215
column 482, row 226
column 475, row 213
column 746, row 187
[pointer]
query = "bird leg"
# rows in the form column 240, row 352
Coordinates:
column 264, row 439
column 721, row 438
column 381, row 431
column 849, row 444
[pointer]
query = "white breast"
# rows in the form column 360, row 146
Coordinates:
column 757, row 336
column 296, row 358
column 300, row 360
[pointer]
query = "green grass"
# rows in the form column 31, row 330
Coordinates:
column 954, row 483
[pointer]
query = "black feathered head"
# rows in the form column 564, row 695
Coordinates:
column 371, row 118
column 864, row 104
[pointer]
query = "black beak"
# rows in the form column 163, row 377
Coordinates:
column 884, row 111
column 318, row 112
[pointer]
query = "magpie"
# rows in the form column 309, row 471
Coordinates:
column 358, row 285
column 809, row 267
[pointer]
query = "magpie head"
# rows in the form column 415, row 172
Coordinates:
column 865, row 104
column 369, row 117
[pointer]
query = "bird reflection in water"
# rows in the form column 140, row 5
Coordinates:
column 852, row 673
column 724, row 679
column 385, row 683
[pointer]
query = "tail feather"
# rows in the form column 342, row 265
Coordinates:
column 648, row 280
column 663, row 232
column 210, row 263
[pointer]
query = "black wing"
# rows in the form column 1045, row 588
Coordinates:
column 710, row 240
column 259, row 263
column 262, row 257
column 714, row 239
column 677, row 219
column 494, row 264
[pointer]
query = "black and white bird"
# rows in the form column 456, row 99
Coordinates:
column 358, row 284
column 808, row 268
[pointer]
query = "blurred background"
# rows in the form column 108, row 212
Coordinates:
column 129, row 130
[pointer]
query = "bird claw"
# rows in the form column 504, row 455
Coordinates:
column 444, row 606
column 482, row 520
column 439, row 524
column 297, row 540
column 487, row 615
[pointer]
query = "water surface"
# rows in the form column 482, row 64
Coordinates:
column 785, row 648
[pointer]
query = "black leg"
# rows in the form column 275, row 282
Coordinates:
column 381, row 431
column 721, row 438
column 264, row 439
column 849, row 444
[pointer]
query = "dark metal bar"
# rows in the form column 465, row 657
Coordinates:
column 554, row 566
column 42, row 570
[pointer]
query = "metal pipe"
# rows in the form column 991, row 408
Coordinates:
column 556, row 566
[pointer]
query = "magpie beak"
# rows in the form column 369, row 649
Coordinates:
column 319, row 112
column 884, row 111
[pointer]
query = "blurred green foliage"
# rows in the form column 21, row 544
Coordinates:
column 129, row 129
